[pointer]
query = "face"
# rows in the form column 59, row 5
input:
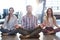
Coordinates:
column 11, row 10
column 49, row 12
column 29, row 9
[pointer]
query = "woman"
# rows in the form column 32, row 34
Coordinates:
column 49, row 22
column 10, row 24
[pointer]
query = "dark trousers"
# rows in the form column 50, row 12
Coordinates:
column 45, row 31
column 10, row 32
column 34, row 32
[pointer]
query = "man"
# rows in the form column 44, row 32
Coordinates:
column 30, row 27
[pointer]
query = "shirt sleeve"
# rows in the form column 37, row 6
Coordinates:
column 23, row 22
column 36, row 21
column 5, row 22
column 16, row 21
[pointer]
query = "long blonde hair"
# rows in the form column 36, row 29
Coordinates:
column 51, row 14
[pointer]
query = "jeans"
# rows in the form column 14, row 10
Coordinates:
column 34, row 32
column 10, row 32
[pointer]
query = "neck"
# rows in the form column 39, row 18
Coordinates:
column 29, row 14
column 11, row 14
column 49, row 16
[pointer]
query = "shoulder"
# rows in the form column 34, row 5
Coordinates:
column 14, row 16
column 45, row 17
column 6, row 17
column 24, row 16
column 35, row 16
column 54, row 17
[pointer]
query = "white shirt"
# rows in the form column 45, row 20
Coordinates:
column 11, row 24
column 50, row 21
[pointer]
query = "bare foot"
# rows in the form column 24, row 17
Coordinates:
column 5, row 34
column 24, row 37
column 27, row 36
column 50, row 32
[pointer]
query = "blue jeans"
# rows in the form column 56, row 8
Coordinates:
column 10, row 32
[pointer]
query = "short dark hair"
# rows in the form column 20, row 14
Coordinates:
column 28, row 6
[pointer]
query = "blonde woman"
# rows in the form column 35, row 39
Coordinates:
column 49, row 22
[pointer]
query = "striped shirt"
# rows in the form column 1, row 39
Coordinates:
column 29, row 23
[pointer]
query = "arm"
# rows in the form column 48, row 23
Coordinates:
column 23, row 23
column 36, row 22
column 44, row 21
column 16, row 23
column 55, row 22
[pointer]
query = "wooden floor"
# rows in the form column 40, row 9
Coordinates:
column 42, row 37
